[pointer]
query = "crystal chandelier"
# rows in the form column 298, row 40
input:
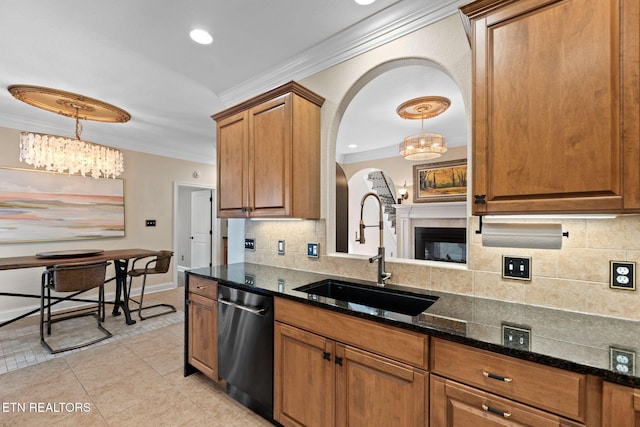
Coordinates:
column 424, row 145
column 62, row 154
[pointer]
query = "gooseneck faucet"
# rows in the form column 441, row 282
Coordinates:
column 382, row 275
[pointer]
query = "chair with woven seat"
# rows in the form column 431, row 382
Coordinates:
column 159, row 264
column 73, row 278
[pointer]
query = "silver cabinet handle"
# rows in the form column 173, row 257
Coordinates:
column 497, row 377
column 256, row 311
column 496, row 411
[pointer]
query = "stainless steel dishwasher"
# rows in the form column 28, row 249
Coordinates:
column 245, row 347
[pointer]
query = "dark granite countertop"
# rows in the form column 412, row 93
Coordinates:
column 568, row 340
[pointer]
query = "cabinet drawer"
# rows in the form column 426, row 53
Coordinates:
column 455, row 403
column 205, row 287
column 551, row 389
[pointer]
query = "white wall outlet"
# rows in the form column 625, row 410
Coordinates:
column 622, row 275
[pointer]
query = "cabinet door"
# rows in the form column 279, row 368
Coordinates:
column 375, row 391
column 620, row 406
column 453, row 404
column 270, row 134
column 203, row 335
column 232, row 152
column 548, row 96
column 304, row 378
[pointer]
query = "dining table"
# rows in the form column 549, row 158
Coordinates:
column 119, row 257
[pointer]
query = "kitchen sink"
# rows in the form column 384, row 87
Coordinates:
column 380, row 298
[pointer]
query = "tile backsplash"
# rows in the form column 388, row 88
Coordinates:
column 574, row 278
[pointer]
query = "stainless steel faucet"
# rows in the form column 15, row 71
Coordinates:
column 382, row 275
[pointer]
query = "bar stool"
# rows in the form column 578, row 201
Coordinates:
column 76, row 278
column 158, row 265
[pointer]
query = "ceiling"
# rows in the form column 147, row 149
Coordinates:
column 137, row 55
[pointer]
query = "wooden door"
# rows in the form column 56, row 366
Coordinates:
column 270, row 133
column 375, row 391
column 203, row 335
column 456, row 405
column 620, row 406
column 548, row 97
column 232, row 151
column 304, row 378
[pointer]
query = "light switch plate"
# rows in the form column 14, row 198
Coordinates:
column 622, row 275
column 516, row 267
column 280, row 247
column 250, row 244
column 313, row 250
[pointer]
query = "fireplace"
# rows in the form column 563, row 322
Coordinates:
column 447, row 244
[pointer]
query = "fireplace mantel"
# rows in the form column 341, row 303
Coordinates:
column 440, row 214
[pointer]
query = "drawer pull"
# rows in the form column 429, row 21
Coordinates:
column 496, row 411
column 496, row 377
column 201, row 287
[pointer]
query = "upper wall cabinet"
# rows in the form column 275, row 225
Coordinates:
column 268, row 155
column 556, row 105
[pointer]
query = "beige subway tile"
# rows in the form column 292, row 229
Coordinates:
column 613, row 302
column 619, row 233
column 557, row 293
column 586, row 264
column 492, row 285
column 450, row 280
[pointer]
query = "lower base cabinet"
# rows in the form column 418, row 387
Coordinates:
column 620, row 406
column 319, row 381
column 455, row 404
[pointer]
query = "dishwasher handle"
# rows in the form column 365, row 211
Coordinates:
column 256, row 311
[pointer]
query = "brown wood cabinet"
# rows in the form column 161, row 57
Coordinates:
column 620, row 406
column 319, row 381
column 556, row 111
column 203, row 326
column 268, row 155
column 558, row 396
column 455, row 404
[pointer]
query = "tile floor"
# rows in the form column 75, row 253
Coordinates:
column 134, row 378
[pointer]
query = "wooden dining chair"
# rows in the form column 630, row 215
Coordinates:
column 75, row 279
column 159, row 264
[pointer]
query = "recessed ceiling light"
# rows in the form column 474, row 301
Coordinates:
column 352, row 145
column 201, row 36
column 364, row 2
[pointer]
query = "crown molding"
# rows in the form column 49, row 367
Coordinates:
column 391, row 23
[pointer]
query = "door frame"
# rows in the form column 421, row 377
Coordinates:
column 216, row 239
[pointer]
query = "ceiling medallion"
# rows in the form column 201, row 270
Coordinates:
column 423, row 146
column 69, row 104
column 61, row 154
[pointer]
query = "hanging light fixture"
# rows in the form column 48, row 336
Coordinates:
column 62, row 154
column 424, row 145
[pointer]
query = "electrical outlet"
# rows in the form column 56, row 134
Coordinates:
column 622, row 275
column 312, row 250
column 622, row 361
column 280, row 247
column 516, row 337
column 516, row 268
column 280, row 285
column 250, row 244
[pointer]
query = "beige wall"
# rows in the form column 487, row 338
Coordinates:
column 573, row 278
column 148, row 182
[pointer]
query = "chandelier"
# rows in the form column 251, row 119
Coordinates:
column 62, row 154
column 424, row 145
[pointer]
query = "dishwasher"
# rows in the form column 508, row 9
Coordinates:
column 245, row 347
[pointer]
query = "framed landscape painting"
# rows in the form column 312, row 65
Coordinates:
column 45, row 206
column 440, row 182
